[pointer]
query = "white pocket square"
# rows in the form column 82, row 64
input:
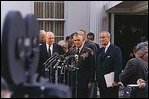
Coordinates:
column 108, row 56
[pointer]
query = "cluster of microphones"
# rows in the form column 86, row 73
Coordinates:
column 59, row 61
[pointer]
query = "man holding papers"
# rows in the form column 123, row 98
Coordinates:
column 109, row 67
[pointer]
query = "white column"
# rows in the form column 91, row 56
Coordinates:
column 97, row 13
column 112, row 27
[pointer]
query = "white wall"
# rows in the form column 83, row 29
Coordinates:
column 25, row 7
column 89, row 15
column 77, row 16
column 98, row 18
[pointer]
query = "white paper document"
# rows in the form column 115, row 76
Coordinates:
column 109, row 78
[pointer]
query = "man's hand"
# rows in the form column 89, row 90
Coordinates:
column 141, row 83
column 116, row 84
column 90, row 84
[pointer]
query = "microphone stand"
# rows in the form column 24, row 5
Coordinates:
column 66, row 73
column 56, row 71
column 63, row 72
column 76, row 73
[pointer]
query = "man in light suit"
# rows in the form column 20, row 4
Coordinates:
column 109, row 60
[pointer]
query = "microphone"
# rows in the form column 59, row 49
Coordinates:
column 76, row 57
column 73, row 51
column 50, row 58
column 50, row 62
column 59, row 60
column 61, row 57
column 67, row 58
column 70, row 56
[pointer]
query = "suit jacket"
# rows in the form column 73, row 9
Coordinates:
column 85, row 73
column 134, row 70
column 44, row 55
column 111, row 61
column 85, row 62
column 92, row 46
column 95, row 49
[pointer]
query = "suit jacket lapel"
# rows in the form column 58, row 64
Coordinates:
column 107, row 51
column 54, row 48
column 43, row 50
column 81, row 51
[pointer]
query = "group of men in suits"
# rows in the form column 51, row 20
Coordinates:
column 91, row 62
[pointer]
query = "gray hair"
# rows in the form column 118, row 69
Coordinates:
column 77, row 34
column 106, row 32
column 143, row 48
column 63, row 43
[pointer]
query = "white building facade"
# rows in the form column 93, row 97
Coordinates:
column 93, row 16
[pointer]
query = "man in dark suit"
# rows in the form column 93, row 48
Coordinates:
column 109, row 61
column 91, row 45
column 46, row 51
column 83, row 74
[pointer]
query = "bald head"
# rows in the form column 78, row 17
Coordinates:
column 50, row 38
column 42, row 31
column 42, row 36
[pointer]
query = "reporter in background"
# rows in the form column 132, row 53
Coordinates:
column 64, row 45
column 69, row 40
column 136, row 72
column 91, row 37
column 42, row 36
column 144, row 85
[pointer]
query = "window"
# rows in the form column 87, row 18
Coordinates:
column 50, row 16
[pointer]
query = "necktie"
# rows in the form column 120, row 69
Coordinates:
column 78, row 51
column 49, row 52
column 103, row 48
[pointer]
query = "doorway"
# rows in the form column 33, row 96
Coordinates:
column 128, row 31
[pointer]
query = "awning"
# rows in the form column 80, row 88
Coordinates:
column 129, row 7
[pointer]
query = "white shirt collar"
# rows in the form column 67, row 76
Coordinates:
column 107, row 47
column 51, row 48
column 81, row 47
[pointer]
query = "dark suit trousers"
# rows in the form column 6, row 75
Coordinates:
column 111, row 92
